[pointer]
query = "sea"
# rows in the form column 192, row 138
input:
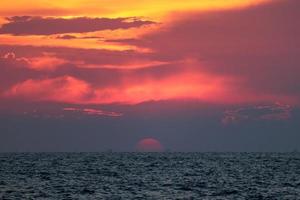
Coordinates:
column 170, row 175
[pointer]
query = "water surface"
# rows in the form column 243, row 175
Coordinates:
column 150, row 176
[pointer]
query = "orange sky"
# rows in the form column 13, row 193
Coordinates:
column 114, row 8
column 157, row 10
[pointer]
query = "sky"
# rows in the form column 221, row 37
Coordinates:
column 98, row 75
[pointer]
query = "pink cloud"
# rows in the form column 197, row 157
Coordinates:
column 9, row 56
column 132, row 90
column 61, row 89
column 94, row 112
column 46, row 61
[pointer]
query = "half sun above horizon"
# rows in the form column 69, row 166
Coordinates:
column 149, row 145
column 149, row 99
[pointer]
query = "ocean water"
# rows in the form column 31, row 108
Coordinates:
column 150, row 176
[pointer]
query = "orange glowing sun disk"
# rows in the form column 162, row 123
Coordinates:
column 149, row 145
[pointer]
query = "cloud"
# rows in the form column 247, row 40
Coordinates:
column 13, row 70
column 66, row 37
column 28, row 25
column 220, row 56
column 127, row 40
column 9, row 56
column 142, row 89
column 94, row 112
column 45, row 62
column 70, row 37
column 275, row 112
column 89, row 58
column 68, row 89
column 17, row 69
column 60, row 89
column 256, row 45
column 93, row 66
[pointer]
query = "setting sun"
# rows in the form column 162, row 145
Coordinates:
column 122, row 99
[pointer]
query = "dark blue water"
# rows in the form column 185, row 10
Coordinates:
column 150, row 176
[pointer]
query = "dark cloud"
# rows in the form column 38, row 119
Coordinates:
column 275, row 112
column 179, row 126
column 70, row 37
column 27, row 25
column 66, row 37
column 97, row 57
column 128, row 40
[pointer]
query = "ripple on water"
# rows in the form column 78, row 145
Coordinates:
column 150, row 176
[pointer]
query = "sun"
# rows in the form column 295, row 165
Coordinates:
column 149, row 145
